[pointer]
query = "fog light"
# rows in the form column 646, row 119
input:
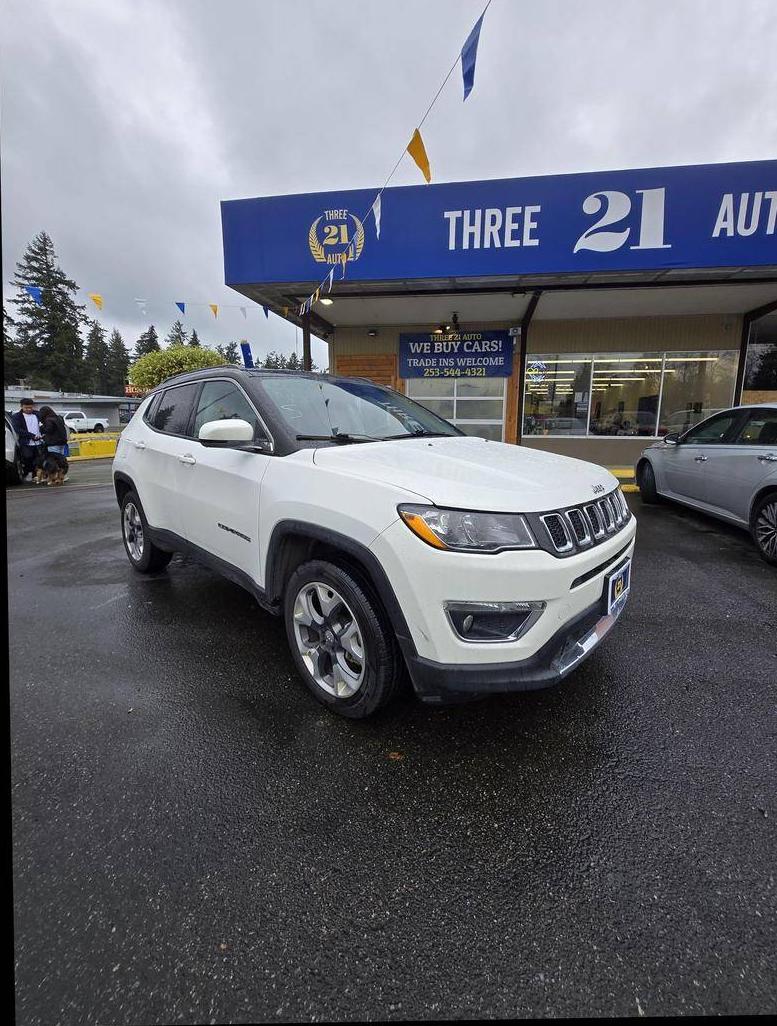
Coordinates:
column 492, row 621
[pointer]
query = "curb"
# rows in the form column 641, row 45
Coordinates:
column 626, row 477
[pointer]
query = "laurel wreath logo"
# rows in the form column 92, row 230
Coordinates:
column 315, row 246
column 352, row 252
column 359, row 243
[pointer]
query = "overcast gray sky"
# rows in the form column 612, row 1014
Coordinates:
column 124, row 122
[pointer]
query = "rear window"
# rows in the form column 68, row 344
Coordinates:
column 173, row 411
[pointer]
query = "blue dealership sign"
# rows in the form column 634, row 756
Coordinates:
column 712, row 215
column 466, row 354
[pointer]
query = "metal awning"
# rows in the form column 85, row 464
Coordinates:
column 722, row 291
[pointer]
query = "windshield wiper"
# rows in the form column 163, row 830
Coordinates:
column 418, row 434
column 341, row 437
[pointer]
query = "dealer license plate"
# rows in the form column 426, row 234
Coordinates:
column 618, row 584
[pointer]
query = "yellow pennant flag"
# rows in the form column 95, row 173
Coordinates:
column 97, row 299
column 214, row 309
column 417, row 151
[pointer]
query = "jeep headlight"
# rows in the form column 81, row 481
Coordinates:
column 466, row 531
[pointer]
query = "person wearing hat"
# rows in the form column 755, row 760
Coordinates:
column 26, row 423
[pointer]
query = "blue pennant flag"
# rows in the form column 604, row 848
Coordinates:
column 248, row 359
column 181, row 307
column 469, row 54
column 35, row 291
column 266, row 312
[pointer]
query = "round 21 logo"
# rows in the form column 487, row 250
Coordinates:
column 335, row 237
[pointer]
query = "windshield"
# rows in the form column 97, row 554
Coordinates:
column 344, row 409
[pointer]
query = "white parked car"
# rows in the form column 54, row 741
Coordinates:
column 14, row 469
column 385, row 537
column 76, row 420
column 725, row 466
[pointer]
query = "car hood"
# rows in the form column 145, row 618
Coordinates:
column 465, row 472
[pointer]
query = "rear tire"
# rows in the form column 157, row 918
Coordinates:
column 647, row 485
column 144, row 556
column 763, row 527
column 340, row 639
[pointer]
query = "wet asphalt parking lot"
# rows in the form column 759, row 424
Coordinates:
column 196, row 840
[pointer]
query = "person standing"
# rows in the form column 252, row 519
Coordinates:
column 26, row 422
column 54, row 434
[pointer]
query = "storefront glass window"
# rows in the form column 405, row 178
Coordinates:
column 475, row 405
column 624, row 394
column 558, row 389
column 760, row 384
column 696, row 385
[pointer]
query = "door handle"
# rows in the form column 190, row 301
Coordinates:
column 767, row 458
column 700, row 459
column 139, row 445
column 186, row 459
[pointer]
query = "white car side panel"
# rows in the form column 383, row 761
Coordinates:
column 220, row 502
column 296, row 488
column 149, row 458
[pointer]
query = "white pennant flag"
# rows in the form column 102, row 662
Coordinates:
column 376, row 215
column 330, row 280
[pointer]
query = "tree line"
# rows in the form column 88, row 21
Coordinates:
column 54, row 344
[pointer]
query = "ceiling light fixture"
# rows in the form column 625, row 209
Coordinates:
column 326, row 301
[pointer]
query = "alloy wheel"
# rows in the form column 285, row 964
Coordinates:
column 329, row 639
column 766, row 530
column 133, row 532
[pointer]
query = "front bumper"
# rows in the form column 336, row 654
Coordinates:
column 559, row 656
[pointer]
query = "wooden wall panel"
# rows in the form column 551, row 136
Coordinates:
column 378, row 367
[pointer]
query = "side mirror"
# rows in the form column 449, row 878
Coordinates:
column 672, row 439
column 226, row 433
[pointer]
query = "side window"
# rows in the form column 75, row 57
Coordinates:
column 712, row 431
column 760, row 429
column 174, row 409
column 148, row 414
column 221, row 400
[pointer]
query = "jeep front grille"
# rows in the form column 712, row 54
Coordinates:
column 571, row 530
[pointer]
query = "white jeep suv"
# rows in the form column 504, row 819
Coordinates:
column 389, row 541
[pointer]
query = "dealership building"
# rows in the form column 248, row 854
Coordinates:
column 584, row 314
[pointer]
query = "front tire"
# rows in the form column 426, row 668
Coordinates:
column 144, row 556
column 98, row 429
column 340, row 639
column 647, row 484
column 763, row 526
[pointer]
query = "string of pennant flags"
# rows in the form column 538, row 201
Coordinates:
column 415, row 148
column 36, row 293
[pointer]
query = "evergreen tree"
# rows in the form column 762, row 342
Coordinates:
column 96, row 373
column 294, row 363
column 275, row 361
column 147, row 343
column 195, row 339
column 229, row 353
column 14, row 355
column 118, row 364
column 48, row 333
column 177, row 335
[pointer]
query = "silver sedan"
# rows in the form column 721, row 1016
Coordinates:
column 725, row 466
